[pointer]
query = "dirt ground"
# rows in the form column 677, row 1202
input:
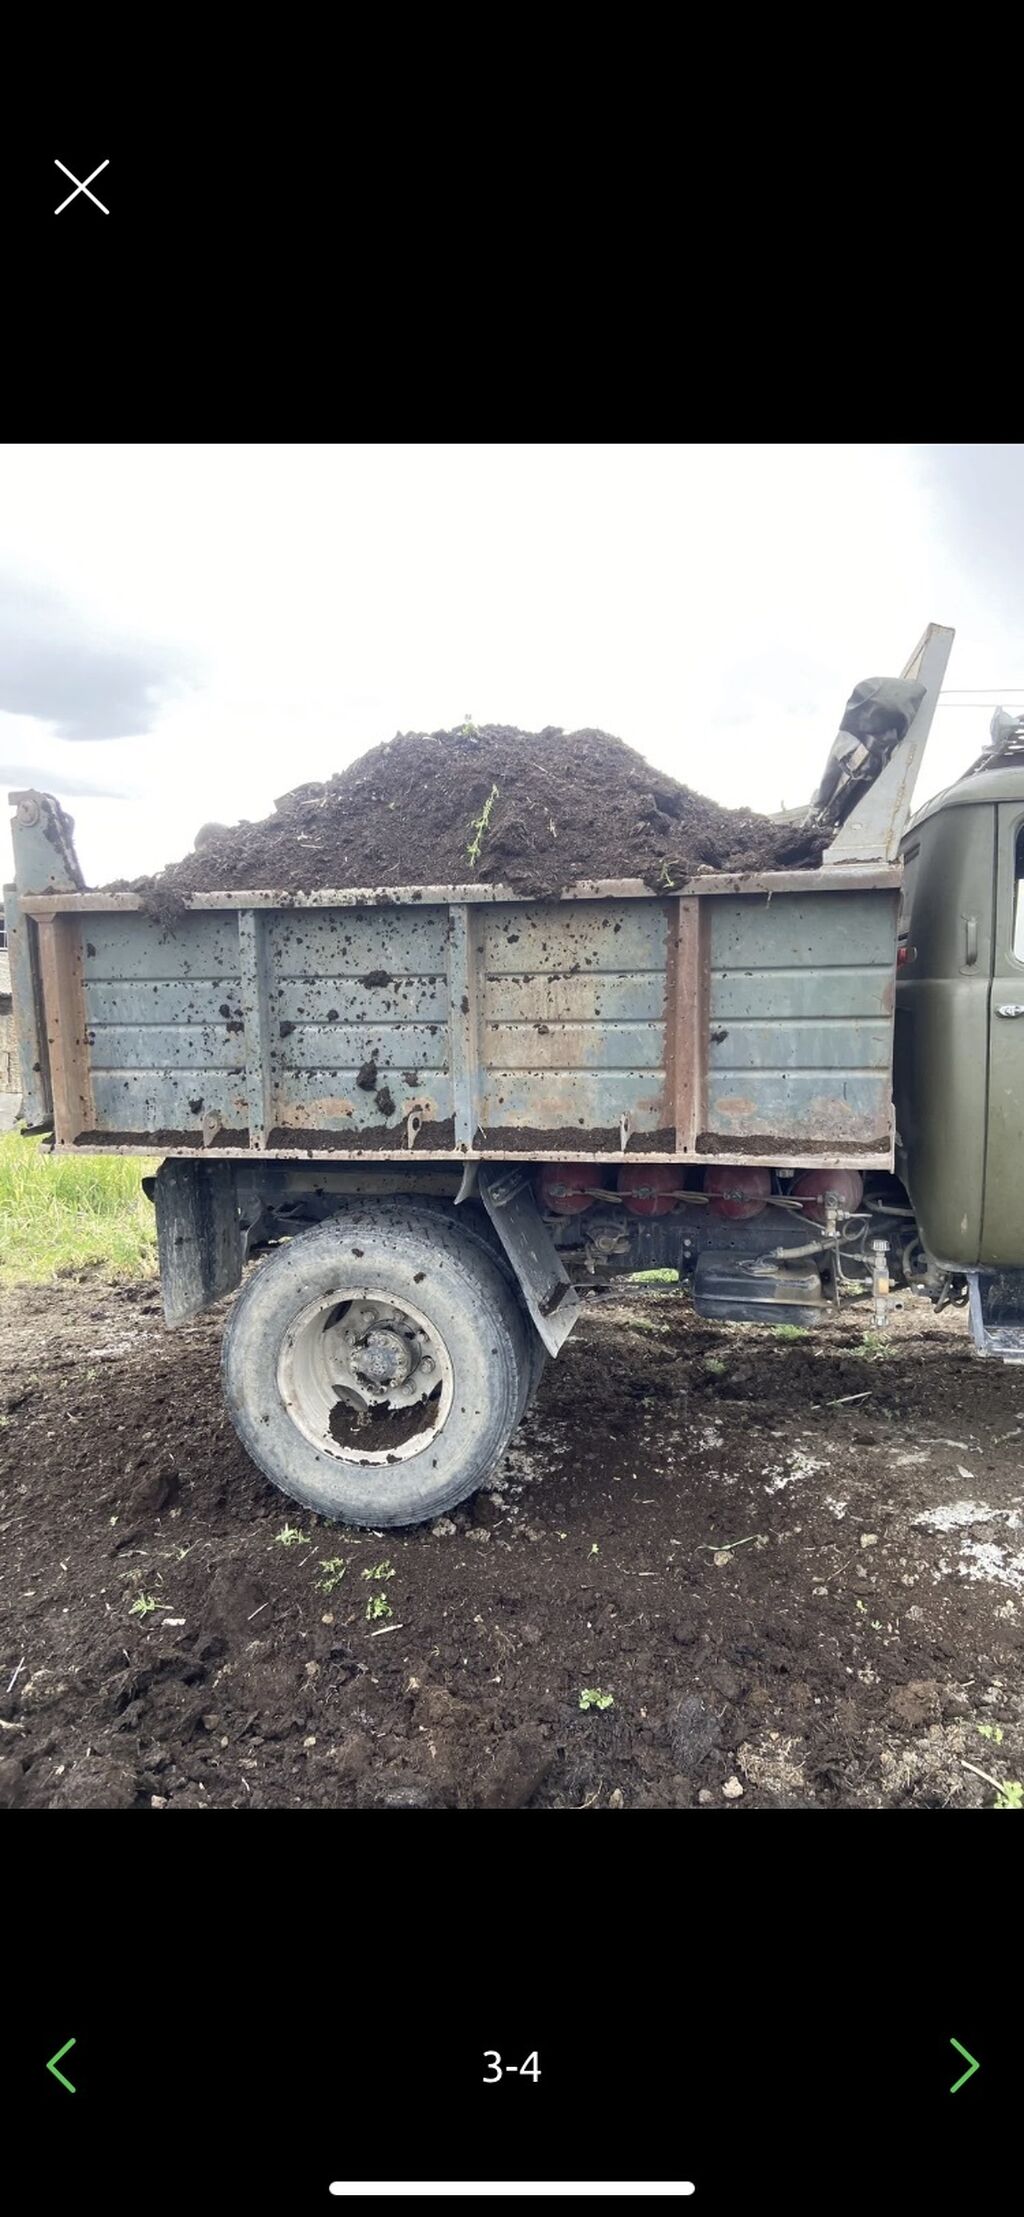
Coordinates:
column 164, row 1644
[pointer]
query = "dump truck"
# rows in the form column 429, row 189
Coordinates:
column 793, row 1087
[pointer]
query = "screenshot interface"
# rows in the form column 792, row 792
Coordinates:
column 364, row 2076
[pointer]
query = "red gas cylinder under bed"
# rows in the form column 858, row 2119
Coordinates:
column 567, row 1188
column 816, row 1188
column 649, row 1189
column 737, row 1189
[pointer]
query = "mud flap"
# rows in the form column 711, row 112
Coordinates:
column 547, row 1289
column 997, row 1313
column 199, row 1236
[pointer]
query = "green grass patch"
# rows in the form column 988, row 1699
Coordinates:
column 62, row 1213
column 654, row 1278
column 877, row 1347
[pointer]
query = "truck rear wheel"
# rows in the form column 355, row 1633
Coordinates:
column 376, row 1366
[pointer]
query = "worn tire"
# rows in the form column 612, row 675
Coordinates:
column 402, row 1251
column 476, row 1224
column 538, row 1365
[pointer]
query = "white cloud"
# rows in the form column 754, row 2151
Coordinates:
column 712, row 605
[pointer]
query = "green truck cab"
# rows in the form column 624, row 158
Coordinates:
column 958, row 1072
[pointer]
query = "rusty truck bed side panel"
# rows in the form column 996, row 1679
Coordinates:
column 737, row 1016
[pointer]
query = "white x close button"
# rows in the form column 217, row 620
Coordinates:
column 82, row 186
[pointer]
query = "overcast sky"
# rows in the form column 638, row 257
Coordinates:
column 186, row 632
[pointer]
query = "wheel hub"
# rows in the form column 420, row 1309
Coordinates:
column 368, row 1361
column 382, row 1358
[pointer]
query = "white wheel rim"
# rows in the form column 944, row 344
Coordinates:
column 370, row 1362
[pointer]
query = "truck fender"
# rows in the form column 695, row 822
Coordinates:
column 506, row 1191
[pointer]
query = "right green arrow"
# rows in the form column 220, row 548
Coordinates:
column 968, row 2058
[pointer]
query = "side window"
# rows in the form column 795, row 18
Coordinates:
column 1018, row 898
column 907, row 892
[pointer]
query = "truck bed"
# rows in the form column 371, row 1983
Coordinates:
column 731, row 1017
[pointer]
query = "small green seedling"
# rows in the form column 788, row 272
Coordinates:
column 992, row 1732
column 290, row 1536
column 334, row 1568
column 377, row 1606
column 790, row 1331
column 479, row 827
column 142, row 1606
column 654, row 1278
column 595, row 1550
column 380, row 1570
column 715, row 1365
column 877, row 1347
column 591, row 1697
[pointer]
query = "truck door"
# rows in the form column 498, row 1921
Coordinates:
column 1002, row 1240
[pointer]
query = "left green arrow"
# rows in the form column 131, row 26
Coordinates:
column 58, row 2058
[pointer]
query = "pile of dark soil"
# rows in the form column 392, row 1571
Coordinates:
column 533, row 810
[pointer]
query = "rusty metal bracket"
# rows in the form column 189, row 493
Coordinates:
column 467, row 1183
column 42, row 835
column 874, row 828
